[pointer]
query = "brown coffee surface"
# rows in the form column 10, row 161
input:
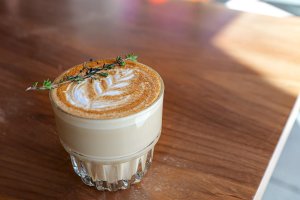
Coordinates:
column 126, row 90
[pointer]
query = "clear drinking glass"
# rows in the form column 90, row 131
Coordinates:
column 111, row 154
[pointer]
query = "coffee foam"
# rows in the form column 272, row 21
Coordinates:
column 126, row 90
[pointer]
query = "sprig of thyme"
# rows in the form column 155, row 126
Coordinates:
column 84, row 73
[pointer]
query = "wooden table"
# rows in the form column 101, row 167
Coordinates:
column 231, row 79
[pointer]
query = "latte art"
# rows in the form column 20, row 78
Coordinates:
column 110, row 92
column 126, row 90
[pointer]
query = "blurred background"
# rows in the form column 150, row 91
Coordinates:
column 231, row 71
column 277, row 8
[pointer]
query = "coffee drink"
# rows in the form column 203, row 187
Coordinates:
column 110, row 125
column 127, row 90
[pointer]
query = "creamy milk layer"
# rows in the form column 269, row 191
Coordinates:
column 126, row 90
column 113, row 139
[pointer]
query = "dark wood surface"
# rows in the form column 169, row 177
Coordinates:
column 231, row 80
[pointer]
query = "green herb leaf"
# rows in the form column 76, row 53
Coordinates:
column 47, row 84
column 108, row 66
column 78, row 79
column 131, row 57
column 104, row 74
column 118, row 58
column 120, row 61
column 35, row 84
column 69, row 78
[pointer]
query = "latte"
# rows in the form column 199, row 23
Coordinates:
column 127, row 90
column 110, row 125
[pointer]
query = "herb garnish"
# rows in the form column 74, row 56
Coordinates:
column 84, row 73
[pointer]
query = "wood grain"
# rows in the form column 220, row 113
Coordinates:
column 231, row 80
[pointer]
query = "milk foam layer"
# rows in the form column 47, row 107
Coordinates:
column 127, row 90
column 114, row 85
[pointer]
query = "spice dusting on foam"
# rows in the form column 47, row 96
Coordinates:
column 126, row 90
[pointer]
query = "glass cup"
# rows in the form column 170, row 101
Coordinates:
column 111, row 154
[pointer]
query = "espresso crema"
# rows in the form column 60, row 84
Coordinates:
column 126, row 90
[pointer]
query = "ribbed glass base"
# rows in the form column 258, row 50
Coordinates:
column 112, row 176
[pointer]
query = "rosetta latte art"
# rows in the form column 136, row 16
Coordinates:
column 110, row 92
